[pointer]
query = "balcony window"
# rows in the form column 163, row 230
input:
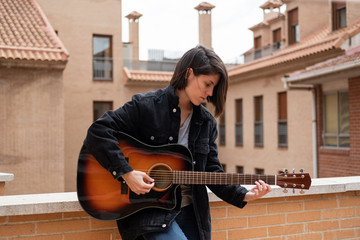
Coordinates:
column 293, row 24
column 277, row 39
column 338, row 15
column 336, row 120
column 257, row 47
column 282, row 120
column 258, row 123
column 99, row 108
column 102, row 58
column 238, row 123
column 222, row 130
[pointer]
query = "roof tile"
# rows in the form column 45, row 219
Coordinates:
column 26, row 34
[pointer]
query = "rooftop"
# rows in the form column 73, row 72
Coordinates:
column 26, row 34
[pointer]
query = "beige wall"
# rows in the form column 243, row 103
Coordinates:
column 297, row 155
column 31, row 127
column 76, row 22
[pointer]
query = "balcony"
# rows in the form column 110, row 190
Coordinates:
column 258, row 53
column 329, row 210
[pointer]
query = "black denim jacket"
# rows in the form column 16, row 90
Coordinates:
column 154, row 118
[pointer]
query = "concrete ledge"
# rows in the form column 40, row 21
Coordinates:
column 6, row 177
column 68, row 202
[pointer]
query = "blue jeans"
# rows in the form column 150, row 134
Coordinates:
column 183, row 228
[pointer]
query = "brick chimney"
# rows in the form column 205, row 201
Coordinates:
column 134, row 33
column 204, row 10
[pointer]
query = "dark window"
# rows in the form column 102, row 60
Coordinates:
column 239, row 169
column 339, row 15
column 223, row 166
column 238, row 122
column 257, row 47
column 282, row 120
column 277, row 39
column 99, row 108
column 222, row 130
column 259, row 171
column 102, row 58
column 336, row 120
column 293, row 24
column 258, row 123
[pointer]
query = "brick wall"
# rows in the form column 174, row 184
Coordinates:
column 354, row 105
column 318, row 216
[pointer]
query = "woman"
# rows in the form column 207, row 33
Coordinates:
column 174, row 114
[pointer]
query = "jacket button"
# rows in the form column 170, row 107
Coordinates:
column 164, row 225
column 152, row 138
column 114, row 173
column 194, row 162
column 174, row 110
column 171, row 138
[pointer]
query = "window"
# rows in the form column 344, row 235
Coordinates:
column 102, row 58
column 338, row 15
column 277, row 39
column 259, row 171
column 240, row 169
column 222, row 130
column 258, row 123
column 282, row 120
column 336, row 120
column 99, row 108
column 257, row 47
column 238, row 122
column 293, row 24
column 223, row 165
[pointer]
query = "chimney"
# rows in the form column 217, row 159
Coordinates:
column 134, row 33
column 204, row 9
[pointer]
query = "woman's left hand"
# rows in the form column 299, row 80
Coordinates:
column 258, row 191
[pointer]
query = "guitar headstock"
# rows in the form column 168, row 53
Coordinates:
column 294, row 180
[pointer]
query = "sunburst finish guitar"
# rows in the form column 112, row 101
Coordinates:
column 105, row 198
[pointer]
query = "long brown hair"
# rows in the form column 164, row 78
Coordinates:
column 203, row 61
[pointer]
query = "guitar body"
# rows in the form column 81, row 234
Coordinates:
column 106, row 198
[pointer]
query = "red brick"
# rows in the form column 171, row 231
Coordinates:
column 306, row 236
column 339, row 213
column 96, row 235
column 340, row 234
column 266, row 220
column 304, row 216
column 47, row 237
column 286, row 229
column 16, row 230
column 219, row 235
column 250, row 210
column 321, row 204
column 248, row 233
column 322, row 226
column 229, row 223
column 285, row 207
column 36, row 217
column 63, row 226
column 220, row 212
column 350, row 222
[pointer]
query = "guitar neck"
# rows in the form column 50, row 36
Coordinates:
column 215, row 178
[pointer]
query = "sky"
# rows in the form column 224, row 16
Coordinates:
column 172, row 25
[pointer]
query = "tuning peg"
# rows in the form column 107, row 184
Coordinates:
column 285, row 191
column 293, row 170
column 293, row 191
column 286, row 170
column 302, row 170
column 302, row 191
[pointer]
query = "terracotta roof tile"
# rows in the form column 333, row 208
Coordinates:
column 322, row 40
column 352, row 55
column 146, row 76
column 26, row 34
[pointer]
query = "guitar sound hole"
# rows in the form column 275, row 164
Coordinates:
column 163, row 177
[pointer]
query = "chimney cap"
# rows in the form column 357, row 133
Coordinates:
column 133, row 15
column 272, row 4
column 204, row 6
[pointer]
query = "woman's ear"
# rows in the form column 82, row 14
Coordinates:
column 189, row 72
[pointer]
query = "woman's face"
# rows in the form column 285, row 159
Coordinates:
column 200, row 87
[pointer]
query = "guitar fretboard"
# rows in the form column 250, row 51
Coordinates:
column 188, row 177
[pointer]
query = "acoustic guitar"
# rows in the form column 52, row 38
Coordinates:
column 106, row 198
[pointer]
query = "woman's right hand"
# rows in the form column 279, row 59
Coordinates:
column 139, row 182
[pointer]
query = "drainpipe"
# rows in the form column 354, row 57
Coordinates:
column 311, row 88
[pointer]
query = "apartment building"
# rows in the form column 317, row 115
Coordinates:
column 268, row 127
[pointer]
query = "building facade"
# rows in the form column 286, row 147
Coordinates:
column 268, row 127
